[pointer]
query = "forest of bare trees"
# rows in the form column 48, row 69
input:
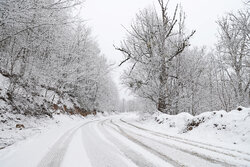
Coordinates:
column 44, row 44
column 176, row 77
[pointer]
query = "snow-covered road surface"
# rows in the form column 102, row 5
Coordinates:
column 118, row 141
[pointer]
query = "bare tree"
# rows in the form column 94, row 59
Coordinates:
column 234, row 50
column 153, row 42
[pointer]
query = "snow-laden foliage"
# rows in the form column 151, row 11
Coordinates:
column 45, row 45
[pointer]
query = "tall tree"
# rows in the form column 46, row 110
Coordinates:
column 234, row 51
column 152, row 44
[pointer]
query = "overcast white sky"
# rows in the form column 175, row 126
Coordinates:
column 106, row 18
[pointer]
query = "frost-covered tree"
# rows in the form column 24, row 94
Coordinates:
column 154, row 41
column 30, row 34
column 44, row 44
column 234, row 55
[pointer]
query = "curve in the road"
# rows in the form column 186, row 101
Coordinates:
column 146, row 139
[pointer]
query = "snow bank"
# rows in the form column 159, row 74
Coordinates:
column 10, row 132
column 173, row 123
column 39, row 142
column 220, row 127
column 29, row 109
column 228, row 127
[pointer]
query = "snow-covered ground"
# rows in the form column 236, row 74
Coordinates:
column 128, row 140
column 229, row 129
column 35, row 140
column 10, row 132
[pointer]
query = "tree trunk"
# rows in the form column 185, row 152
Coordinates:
column 162, row 106
column 239, row 93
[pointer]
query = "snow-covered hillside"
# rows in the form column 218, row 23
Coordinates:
column 27, row 111
column 34, row 100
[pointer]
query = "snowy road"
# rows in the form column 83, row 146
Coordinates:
column 120, row 141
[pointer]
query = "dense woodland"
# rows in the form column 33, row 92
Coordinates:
column 174, row 76
column 52, row 61
column 49, row 54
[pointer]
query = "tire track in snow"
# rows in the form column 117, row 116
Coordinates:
column 135, row 157
column 193, row 143
column 100, row 151
column 56, row 153
column 199, row 155
column 153, row 151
